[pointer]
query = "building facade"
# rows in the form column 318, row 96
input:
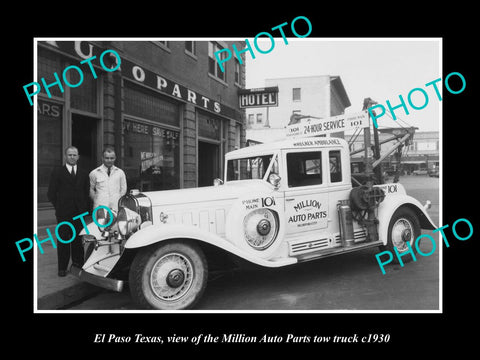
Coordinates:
column 320, row 96
column 167, row 110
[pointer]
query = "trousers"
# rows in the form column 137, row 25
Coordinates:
column 73, row 249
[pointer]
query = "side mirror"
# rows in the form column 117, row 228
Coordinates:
column 274, row 179
column 217, row 182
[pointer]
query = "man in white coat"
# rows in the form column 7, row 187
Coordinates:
column 107, row 182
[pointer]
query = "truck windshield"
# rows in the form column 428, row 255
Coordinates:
column 250, row 168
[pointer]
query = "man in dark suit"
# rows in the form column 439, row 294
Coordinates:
column 68, row 191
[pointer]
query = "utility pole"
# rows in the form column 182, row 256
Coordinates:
column 366, row 145
column 377, row 172
column 371, row 221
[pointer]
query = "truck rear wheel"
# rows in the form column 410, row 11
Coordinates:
column 404, row 227
column 168, row 276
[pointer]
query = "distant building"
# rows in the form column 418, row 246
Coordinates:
column 317, row 96
column 421, row 154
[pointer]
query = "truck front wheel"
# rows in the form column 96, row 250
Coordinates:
column 404, row 227
column 168, row 276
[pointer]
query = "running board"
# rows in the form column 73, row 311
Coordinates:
column 337, row 251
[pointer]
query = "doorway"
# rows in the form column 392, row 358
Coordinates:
column 208, row 163
column 84, row 137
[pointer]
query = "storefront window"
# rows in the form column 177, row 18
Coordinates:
column 208, row 126
column 83, row 97
column 150, row 105
column 152, row 156
column 48, row 64
column 49, row 144
column 152, row 152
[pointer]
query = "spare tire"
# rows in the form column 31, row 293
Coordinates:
column 358, row 198
column 365, row 197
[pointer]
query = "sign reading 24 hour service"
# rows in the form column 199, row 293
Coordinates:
column 329, row 125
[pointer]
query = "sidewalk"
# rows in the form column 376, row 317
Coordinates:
column 54, row 292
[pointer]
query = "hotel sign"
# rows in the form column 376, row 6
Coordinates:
column 259, row 97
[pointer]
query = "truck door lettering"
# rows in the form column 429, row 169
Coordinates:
column 268, row 201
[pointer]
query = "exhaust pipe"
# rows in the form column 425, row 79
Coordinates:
column 346, row 223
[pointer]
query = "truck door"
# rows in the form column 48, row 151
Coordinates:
column 306, row 194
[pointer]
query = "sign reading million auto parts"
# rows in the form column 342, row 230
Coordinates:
column 259, row 97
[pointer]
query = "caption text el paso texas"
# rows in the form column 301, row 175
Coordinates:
column 242, row 338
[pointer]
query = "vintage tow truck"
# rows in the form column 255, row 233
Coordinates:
column 279, row 204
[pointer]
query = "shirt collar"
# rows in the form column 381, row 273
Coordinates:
column 104, row 168
column 69, row 167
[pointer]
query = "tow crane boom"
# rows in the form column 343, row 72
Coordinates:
column 373, row 169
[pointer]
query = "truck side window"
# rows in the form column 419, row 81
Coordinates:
column 304, row 168
column 335, row 166
column 250, row 168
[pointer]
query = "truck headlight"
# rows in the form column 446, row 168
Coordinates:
column 105, row 218
column 128, row 221
column 260, row 228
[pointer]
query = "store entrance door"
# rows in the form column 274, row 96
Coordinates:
column 84, row 137
column 208, row 163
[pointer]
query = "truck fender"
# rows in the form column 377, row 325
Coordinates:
column 157, row 233
column 234, row 225
column 391, row 204
column 95, row 231
column 102, row 260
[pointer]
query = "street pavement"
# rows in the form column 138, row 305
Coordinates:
column 346, row 282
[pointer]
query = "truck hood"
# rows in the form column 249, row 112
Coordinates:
column 229, row 191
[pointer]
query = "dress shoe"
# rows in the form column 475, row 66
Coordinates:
column 62, row 273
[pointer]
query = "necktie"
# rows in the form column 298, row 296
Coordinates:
column 108, row 171
column 73, row 172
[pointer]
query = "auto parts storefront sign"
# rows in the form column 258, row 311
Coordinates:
column 146, row 77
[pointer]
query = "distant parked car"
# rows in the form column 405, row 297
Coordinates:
column 433, row 173
column 420, row 172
